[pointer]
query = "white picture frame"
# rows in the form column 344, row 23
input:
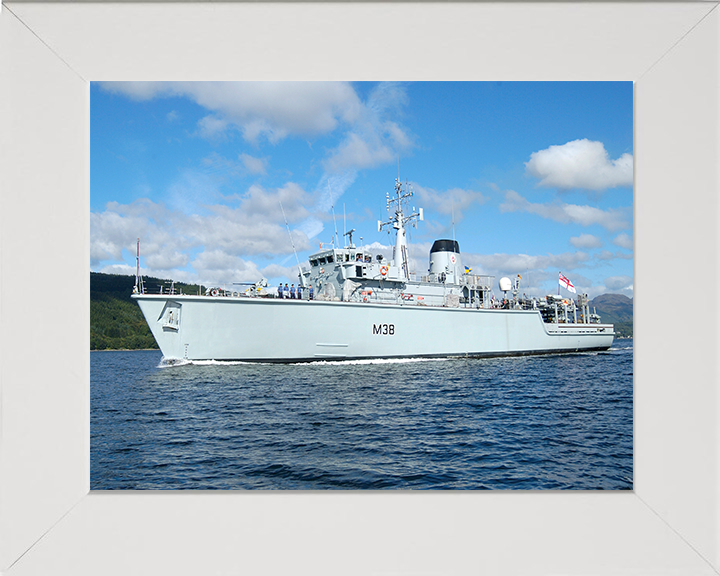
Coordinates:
column 50, row 522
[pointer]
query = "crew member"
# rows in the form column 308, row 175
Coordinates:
column 280, row 290
column 292, row 292
column 310, row 293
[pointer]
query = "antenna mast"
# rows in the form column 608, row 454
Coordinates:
column 336, row 239
column 137, row 267
column 398, row 222
column 302, row 278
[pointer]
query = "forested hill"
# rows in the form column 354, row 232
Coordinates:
column 615, row 309
column 117, row 323
column 115, row 319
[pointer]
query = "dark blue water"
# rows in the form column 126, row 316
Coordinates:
column 541, row 422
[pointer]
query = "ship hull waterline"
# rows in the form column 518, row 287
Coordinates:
column 280, row 330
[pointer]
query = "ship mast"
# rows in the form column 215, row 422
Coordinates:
column 398, row 221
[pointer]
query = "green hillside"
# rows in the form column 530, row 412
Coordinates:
column 116, row 321
column 615, row 309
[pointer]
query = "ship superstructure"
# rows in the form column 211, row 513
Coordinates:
column 354, row 304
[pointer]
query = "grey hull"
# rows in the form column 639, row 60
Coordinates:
column 278, row 330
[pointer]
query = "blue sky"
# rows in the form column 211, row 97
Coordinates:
column 537, row 175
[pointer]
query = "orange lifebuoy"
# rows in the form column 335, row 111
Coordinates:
column 214, row 292
column 383, row 270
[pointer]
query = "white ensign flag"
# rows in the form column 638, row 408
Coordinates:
column 565, row 283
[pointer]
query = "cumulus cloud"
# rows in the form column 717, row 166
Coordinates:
column 222, row 238
column 612, row 220
column 580, row 164
column 271, row 110
column 216, row 266
column 513, row 264
column 619, row 283
column 167, row 260
column 586, row 241
column 624, row 241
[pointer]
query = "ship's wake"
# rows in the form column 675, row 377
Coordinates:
column 173, row 362
column 368, row 361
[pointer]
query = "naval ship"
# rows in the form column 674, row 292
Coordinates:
column 365, row 307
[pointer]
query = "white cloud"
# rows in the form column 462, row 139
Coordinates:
column 216, row 266
column 277, row 271
column 624, row 241
column 211, row 127
column 358, row 151
column 580, row 164
column 223, row 236
column 373, row 139
column 586, row 241
column 454, row 200
column 271, row 110
column 331, row 187
column 253, row 165
column 619, row 283
column 167, row 260
column 513, row 264
column 612, row 220
column 606, row 255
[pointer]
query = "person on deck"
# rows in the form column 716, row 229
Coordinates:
column 310, row 292
column 280, row 290
column 299, row 292
column 292, row 292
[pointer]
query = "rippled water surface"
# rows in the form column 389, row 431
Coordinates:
column 539, row 422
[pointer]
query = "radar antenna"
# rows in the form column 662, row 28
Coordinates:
column 398, row 221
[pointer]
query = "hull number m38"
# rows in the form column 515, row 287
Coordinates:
column 384, row 329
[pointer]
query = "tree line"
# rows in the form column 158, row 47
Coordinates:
column 116, row 322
